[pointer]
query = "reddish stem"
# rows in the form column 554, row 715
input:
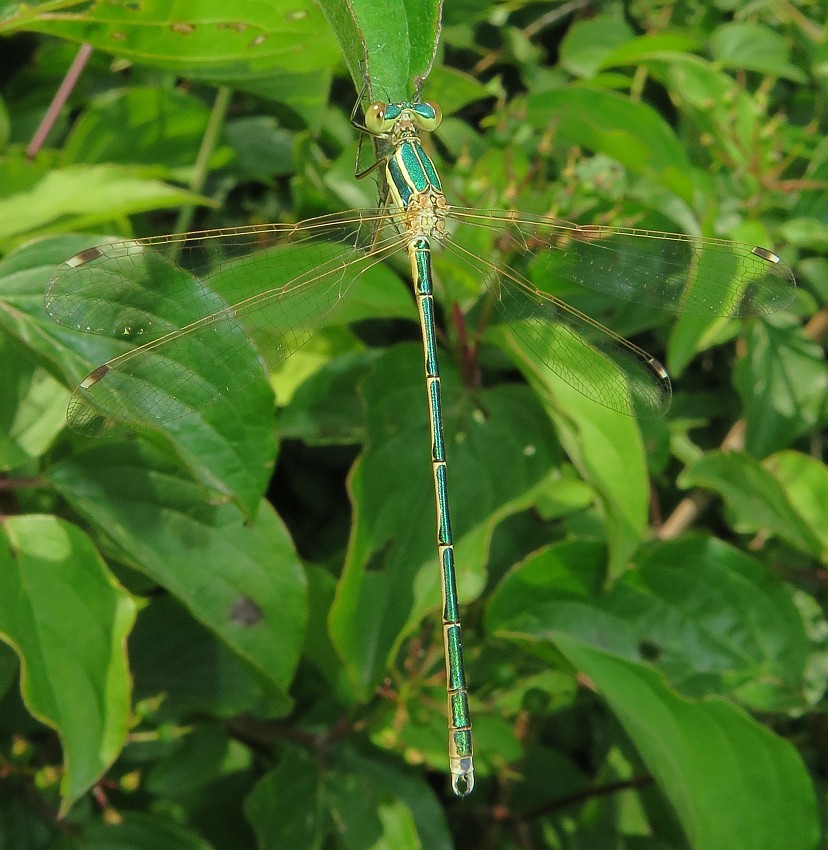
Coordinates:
column 60, row 98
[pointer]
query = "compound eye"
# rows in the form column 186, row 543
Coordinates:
column 434, row 122
column 375, row 118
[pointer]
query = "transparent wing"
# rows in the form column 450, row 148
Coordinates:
column 202, row 313
column 686, row 274
column 589, row 357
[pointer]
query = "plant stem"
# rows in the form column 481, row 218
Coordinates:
column 208, row 145
column 58, row 101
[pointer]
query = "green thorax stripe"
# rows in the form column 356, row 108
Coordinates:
column 414, row 168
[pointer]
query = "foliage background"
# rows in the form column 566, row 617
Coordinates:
column 187, row 664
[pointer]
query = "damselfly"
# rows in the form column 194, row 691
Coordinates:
column 189, row 305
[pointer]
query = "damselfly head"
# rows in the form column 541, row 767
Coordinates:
column 382, row 118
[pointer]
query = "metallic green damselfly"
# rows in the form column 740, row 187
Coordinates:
column 189, row 306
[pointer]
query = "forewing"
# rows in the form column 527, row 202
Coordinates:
column 203, row 314
column 685, row 274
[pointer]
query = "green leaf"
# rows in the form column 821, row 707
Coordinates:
column 24, row 274
column 754, row 47
column 31, row 415
column 5, row 124
column 80, row 196
column 732, row 782
column 318, row 647
column 398, row 828
column 304, row 93
column 634, row 134
column 754, row 499
column 281, row 49
column 499, row 446
column 710, row 617
column 565, row 495
column 139, row 126
column 326, row 408
column 589, row 41
column 782, row 381
column 814, row 270
column 263, row 149
column 229, row 447
column 696, row 82
column 554, row 590
column 388, row 44
column 804, row 480
column 193, row 762
column 360, row 781
column 285, row 807
column 68, row 624
column 364, row 814
column 9, row 669
column 196, row 673
column 808, row 233
column 240, row 580
column 668, row 47
column 147, row 831
column 715, row 621
column 604, row 446
column 690, row 335
column 452, row 89
column 806, row 218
